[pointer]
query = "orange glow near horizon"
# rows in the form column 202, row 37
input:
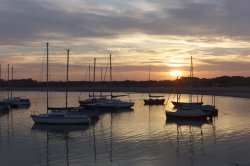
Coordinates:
column 176, row 73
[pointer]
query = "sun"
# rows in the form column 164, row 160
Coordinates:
column 176, row 73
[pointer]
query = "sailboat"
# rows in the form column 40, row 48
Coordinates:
column 153, row 100
column 206, row 108
column 194, row 114
column 178, row 104
column 62, row 115
column 103, row 103
column 14, row 102
column 188, row 110
column 92, row 98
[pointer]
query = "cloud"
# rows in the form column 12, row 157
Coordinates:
column 160, row 33
column 61, row 20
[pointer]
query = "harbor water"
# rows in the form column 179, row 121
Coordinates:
column 142, row 136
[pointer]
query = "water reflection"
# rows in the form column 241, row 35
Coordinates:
column 123, row 110
column 141, row 136
column 190, row 123
column 58, row 131
column 189, row 140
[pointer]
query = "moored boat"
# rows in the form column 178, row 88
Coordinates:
column 109, row 104
column 206, row 108
column 4, row 108
column 152, row 101
column 60, row 117
column 103, row 103
column 92, row 113
column 178, row 104
column 15, row 102
column 187, row 114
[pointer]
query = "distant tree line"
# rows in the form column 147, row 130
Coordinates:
column 223, row 81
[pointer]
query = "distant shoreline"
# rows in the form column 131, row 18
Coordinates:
column 242, row 92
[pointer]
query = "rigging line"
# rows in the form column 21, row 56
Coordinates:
column 104, row 78
column 167, row 101
column 42, row 72
column 83, row 80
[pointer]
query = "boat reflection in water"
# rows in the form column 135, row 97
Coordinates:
column 189, row 140
column 54, row 135
column 189, row 123
column 60, row 129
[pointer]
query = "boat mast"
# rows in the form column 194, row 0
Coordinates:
column 67, row 78
column 110, row 73
column 89, row 81
column 11, row 82
column 149, row 86
column 47, row 80
column 8, row 79
column 191, row 79
column 94, row 78
column 101, row 83
column 177, row 90
column 0, row 71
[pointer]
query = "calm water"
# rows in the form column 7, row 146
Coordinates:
column 139, row 137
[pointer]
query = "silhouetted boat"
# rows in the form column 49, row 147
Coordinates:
column 188, row 122
column 59, row 115
column 109, row 104
column 92, row 113
column 187, row 114
column 178, row 104
column 104, row 103
column 153, row 100
column 4, row 108
column 206, row 108
column 14, row 102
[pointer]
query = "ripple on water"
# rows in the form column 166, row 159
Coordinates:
column 139, row 137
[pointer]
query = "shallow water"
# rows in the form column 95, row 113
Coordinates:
column 142, row 136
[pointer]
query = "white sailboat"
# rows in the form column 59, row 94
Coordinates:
column 92, row 98
column 103, row 103
column 60, row 115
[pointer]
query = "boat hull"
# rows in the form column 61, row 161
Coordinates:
column 4, row 108
column 58, row 120
column 109, row 106
column 89, row 113
column 180, row 104
column 154, row 101
column 209, row 109
column 175, row 115
column 16, row 102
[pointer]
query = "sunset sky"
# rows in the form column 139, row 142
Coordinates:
column 162, row 34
